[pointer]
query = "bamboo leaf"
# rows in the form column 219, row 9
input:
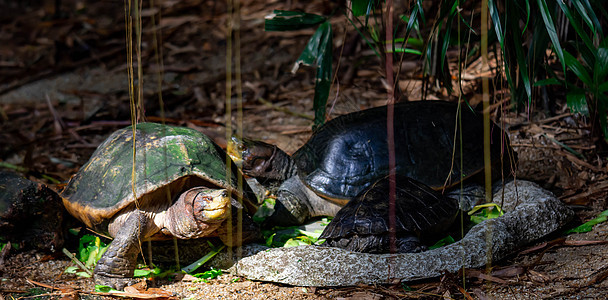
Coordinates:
column 548, row 81
column 521, row 60
column 527, row 16
column 575, row 24
column 318, row 52
column 578, row 69
column 411, row 20
column 445, row 43
column 362, row 7
column 419, row 11
column 603, row 87
column 283, row 20
column 589, row 9
column 588, row 16
column 310, row 55
column 601, row 112
column 496, row 21
column 577, row 102
column 550, row 27
column 405, row 50
column 600, row 70
column 448, row 7
column 324, row 73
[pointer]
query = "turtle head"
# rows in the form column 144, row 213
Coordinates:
column 207, row 205
column 260, row 160
column 198, row 212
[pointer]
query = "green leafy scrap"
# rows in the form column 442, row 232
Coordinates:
column 588, row 226
column 195, row 265
column 283, row 20
column 76, row 271
column 106, row 289
column 443, row 242
column 147, row 272
column 362, row 7
column 293, row 236
column 265, row 210
column 486, row 211
column 318, row 52
column 90, row 250
column 210, row 274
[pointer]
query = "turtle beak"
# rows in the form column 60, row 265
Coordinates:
column 218, row 206
column 235, row 151
column 210, row 205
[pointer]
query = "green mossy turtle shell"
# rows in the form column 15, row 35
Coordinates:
column 351, row 151
column 167, row 156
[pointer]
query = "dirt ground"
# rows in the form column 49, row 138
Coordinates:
column 64, row 89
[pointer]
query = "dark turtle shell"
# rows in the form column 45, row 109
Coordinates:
column 169, row 160
column 363, row 224
column 349, row 152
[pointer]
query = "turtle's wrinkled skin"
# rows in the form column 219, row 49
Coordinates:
column 182, row 187
column 350, row 152
column 421, row 214
column 31, row 214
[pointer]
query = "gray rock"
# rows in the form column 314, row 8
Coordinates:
column 531, row 213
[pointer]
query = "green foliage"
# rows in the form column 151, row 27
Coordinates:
column 195, row 265
column 318, row 52
column 293, row 236
column 265, row 210
column 106, row 289
column 32, row 293
column 76, row 270
column 523, row 31
column 210, row 274
column 282, row 20
column 443, row 242
column 482, row 212
column 147, row 272
column 588, row 226
column 90, row 250
column 582, row 54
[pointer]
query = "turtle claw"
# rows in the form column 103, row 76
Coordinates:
column 117, row 283
column 116, row 266
column 296, row 203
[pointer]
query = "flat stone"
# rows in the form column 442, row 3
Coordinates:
column 531, row 213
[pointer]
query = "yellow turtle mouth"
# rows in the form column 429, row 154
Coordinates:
column 234, row 148
column 211, row 205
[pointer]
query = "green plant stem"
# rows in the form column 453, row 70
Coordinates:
column 74, row 259
column 191, row 268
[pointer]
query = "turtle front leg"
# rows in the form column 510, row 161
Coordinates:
column 296, row 204
column 116, row 266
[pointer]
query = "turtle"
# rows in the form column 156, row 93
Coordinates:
column 31, row 214
column 183, row 189
column 421, row 216
column 350, row 152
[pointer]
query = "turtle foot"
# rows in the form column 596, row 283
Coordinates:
column 116, row 266
column 296, row 204
column 118, row 283
column 409, row 244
